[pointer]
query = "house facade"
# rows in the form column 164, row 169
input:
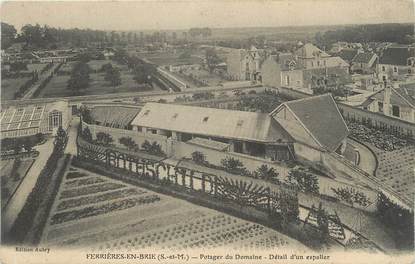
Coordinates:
column 396, row 63
column 392, row 101
column 305, row 70
column 245, row 65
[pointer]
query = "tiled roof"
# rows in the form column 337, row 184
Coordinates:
column 321, row 117
column 397, row 55
column 213, row 122
column 347, row 54
column 364, row 57
column 399, row 97
column 310, row 51
column 114, row 116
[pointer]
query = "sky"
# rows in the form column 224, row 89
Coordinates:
column 184, row 14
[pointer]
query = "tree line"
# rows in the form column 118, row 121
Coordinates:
column 400, row 33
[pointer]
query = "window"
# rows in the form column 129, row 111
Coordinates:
column 55, row 119
column 205, row 119
column 146, row 112
column 395, row 69
column 380, row 106
column 240, row 122
column 383, row 68
column 395, row 110
column 312, row 64
column 175, row 115
column 287, row 80
column 318, row 63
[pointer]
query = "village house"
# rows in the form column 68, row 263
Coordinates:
column 392, row 101
column 364, row 63
column 245, row 65
column 308, row 68
column 396, row 63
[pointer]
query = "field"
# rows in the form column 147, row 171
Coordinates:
column 96, row 212
column 57, row 87
column 167, row 58
column 36, row 67
column 10, row 180
column 203, row 76
column 10, row 86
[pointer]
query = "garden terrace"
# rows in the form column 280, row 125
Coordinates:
column 396, row 169
column 380, row 139
column 123, row 219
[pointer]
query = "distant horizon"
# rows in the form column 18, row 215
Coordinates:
column 216, row 28
column 182, row 15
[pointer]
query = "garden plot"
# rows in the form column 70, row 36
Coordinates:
column 129, row 217
column 396, row 169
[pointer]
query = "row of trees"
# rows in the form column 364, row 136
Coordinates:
column 44, row 37
column 400, row 33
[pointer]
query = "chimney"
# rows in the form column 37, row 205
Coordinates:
column 387, row 99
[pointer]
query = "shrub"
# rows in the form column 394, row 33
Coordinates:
column 104, row 138
column 199, row 157
column 267, row 173
column 128, row 142
column 351, row 196
column 303, row 181
column 86, row 134
column 235, row 166
column 152, row 148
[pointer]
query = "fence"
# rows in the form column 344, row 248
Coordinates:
column 241, row 192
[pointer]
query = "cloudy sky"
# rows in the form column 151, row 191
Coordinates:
column 165, row 14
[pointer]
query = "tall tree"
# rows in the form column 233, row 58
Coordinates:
column 8, row 35
column 79, row 77
column 212, row 59
column 113, row 75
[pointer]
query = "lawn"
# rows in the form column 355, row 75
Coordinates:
column 10, row 86
column 36, row 67
column 57, row 87
column 167, row 58
column 134, row 218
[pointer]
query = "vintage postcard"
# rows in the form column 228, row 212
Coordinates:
column 199, row 131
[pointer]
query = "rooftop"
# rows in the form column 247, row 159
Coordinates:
column 213, row 122
column 321, row 117
column 397, row 55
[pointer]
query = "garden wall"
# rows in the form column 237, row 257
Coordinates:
column 184, row 150
column 379, row 121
